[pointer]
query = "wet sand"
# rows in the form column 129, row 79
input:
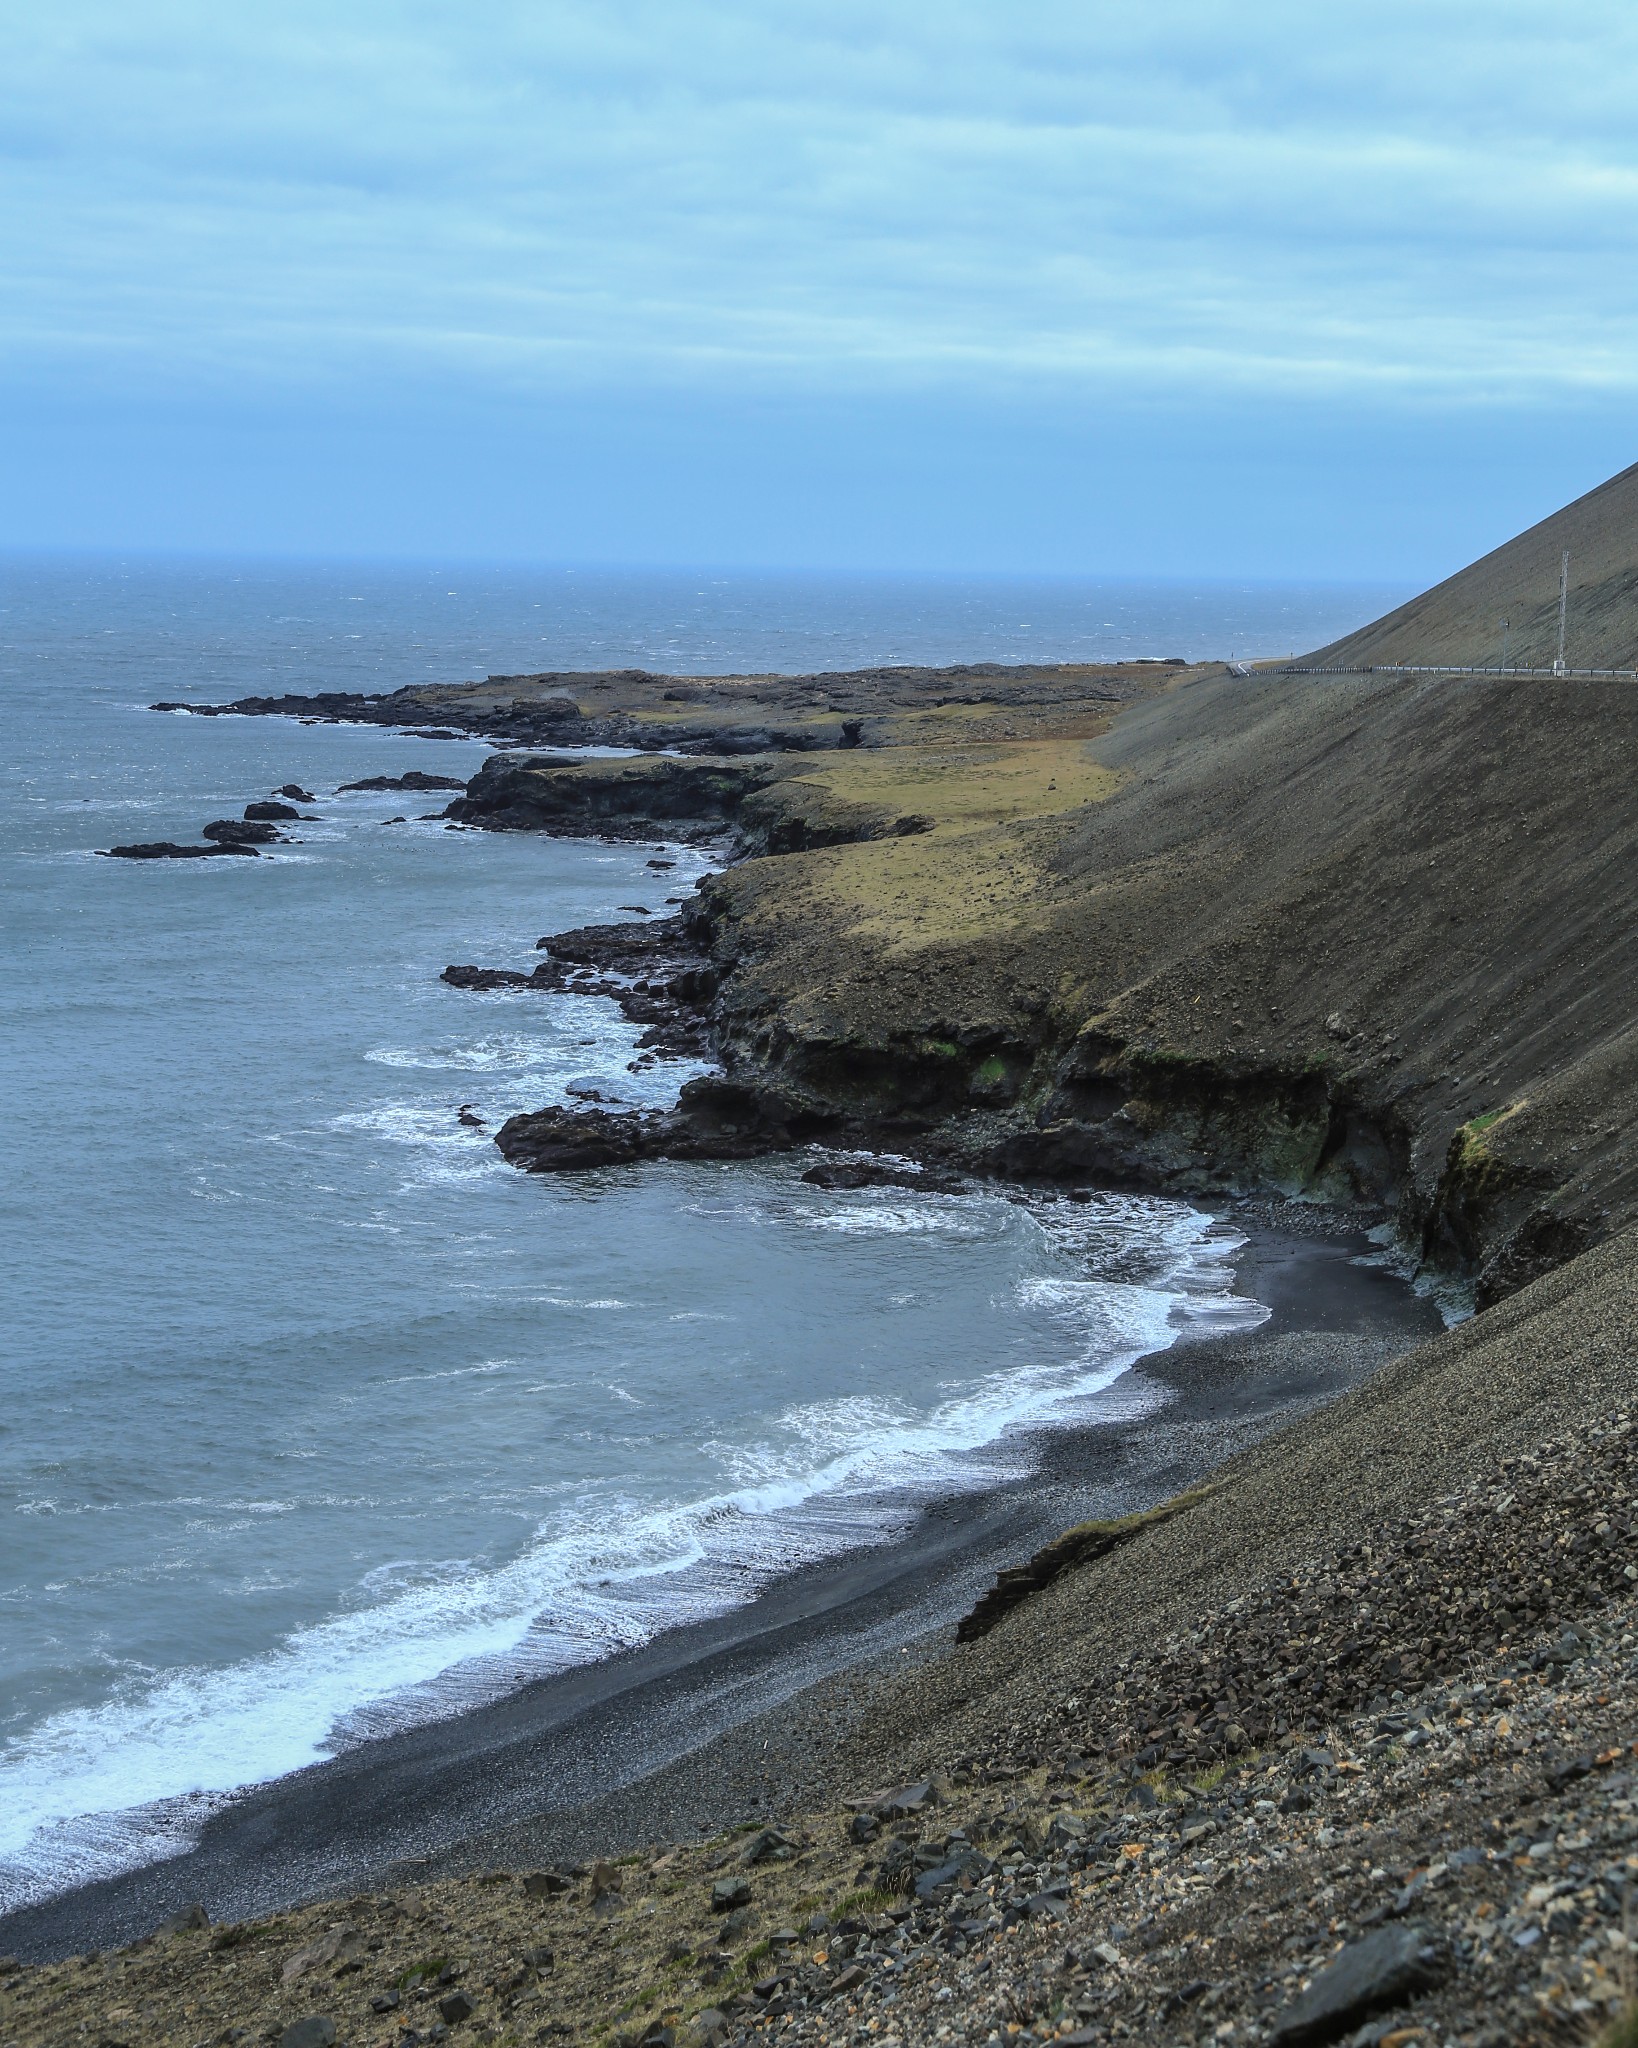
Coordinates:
column 740, row 1716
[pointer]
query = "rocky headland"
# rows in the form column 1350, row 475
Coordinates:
column 1338, row 1748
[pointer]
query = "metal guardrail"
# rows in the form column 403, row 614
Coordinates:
column 1451, row 668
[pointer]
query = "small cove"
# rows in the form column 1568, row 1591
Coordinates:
column 319, row 1421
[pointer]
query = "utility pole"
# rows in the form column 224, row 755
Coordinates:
column 1504, row 646
column 1563, row 609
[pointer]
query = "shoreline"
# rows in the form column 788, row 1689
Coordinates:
column 669, row 1740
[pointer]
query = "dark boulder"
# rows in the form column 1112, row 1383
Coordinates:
column 270, row 808
column 1386, row 1968
column 484, row 977
column 768, row 1845
column 295, row 793
column 714, row 1119
column 876, row 1173
column 318, row 2031
column 241, row 832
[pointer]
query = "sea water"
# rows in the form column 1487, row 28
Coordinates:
column 315, row 1417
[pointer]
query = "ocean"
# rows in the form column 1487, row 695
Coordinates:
column 315, row 1418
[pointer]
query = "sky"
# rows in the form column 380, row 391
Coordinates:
column 1057, row 286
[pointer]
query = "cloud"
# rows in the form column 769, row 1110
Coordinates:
column 1434, row 201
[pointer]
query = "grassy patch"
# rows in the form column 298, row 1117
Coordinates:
column 1623, row 2032
column 1091, row 1539
column 1470, row 1160
column 980, row 867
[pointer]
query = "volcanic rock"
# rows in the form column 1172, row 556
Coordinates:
column 1384, row 1969
column 416, row 778
column 167, row 849
column 242, row 832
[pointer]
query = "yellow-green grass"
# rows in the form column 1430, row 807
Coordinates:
column 980, row 863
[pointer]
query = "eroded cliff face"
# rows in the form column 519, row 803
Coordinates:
column 1368, row 942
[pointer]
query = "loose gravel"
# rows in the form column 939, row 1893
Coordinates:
column 1388, row 1800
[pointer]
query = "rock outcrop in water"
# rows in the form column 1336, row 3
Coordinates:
column 168, row 849
column 713, row 1119
column 658, row 973
column 241, row 832
column 415, row 778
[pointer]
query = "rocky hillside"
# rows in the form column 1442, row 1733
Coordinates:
column 1460, row 620
column 1369, row 940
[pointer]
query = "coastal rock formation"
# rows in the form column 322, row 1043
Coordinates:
column 849, row 1174
column 713, row 1119
column 774, row 804
column 727, row 715
column 657, row 972
column 643, row 799
column 168, row 849
column 241, row 832
column 1259, row 933
column 415, row 778
column 1347, row 1749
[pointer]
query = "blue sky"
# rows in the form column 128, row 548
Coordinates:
column 1180, row 289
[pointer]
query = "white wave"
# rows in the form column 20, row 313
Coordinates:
column 900, row 1219
column 101, row 1788
column 505, row 1052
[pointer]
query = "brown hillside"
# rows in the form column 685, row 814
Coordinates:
column 1459, row 620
